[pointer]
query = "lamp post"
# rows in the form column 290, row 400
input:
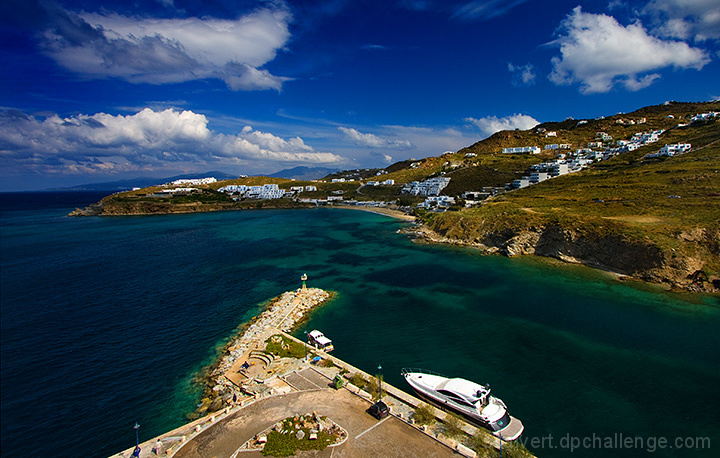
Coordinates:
column 136, row 452
column 379, row 382
column 305, row 345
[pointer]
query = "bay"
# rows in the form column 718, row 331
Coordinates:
column 106, row 321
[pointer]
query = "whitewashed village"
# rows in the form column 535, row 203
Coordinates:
column 602, row 148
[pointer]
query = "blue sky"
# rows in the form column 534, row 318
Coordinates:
column 98, row 91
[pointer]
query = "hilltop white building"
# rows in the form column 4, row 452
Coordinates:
column 194, row 181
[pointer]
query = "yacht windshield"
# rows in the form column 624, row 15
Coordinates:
column 501, row 423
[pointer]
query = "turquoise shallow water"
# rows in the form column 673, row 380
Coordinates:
column 105, row 321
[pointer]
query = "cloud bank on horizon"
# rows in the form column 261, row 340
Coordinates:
column 269, row 84
column 146, row 140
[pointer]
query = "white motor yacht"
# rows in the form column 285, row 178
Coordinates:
column 467, row 398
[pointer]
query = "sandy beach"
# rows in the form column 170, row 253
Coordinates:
column 397, row 214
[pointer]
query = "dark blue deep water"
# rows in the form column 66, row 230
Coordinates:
column 106, row 321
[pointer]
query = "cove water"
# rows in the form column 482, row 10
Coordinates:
column 108, row 321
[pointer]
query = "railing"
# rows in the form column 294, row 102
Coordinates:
column 408, row 370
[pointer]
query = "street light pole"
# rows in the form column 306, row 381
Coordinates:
column 379, row 382
column 305, row 344
column 136, row 452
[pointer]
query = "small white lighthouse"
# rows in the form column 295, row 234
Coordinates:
column 304, row 278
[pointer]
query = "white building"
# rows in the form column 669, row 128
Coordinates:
column 645, row 138
column 431, row 187
column 310, row 188
column 522, row 150
column 521, row 183
column 194, row 181
column 475, row 196
column 603, row 136
column 559, row 169
column 537, row 177
column 437, row 201
column 677, row 148
column 179, row 191
column 704, row 116
column 234, row 188
column 388, row 182
column 270, row 193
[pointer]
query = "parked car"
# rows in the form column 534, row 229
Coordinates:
column 379, row 410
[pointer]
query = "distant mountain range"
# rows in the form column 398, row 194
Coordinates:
column 297, row 173
column 303, row 173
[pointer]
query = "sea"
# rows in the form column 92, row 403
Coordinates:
column 110, row 321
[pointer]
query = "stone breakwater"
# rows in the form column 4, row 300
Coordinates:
column 282, row 314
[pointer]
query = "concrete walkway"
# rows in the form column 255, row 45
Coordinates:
column 367, row 436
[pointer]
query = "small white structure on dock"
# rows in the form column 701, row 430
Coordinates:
column 318, row 340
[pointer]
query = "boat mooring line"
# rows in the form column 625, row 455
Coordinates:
column 373, row 426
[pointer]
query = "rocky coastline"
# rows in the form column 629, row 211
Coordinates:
column 110, row 207
column 627, row 259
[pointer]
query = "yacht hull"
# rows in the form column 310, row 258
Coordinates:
column 425, row 384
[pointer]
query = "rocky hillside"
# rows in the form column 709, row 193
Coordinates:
column 652, row 219
column 614, row 249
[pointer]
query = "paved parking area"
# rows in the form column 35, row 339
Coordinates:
column 306, row 379
column 367, row 436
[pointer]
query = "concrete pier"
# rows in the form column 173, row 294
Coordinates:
column 282, row 387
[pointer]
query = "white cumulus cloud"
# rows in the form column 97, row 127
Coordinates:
column 158, row 51
column 598, row 52
column 491, row 124
column 374, row 141
column 147, row 140
column 698, row 20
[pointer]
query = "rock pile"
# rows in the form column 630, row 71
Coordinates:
column 283, row 313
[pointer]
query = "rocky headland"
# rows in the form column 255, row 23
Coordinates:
column 629, row 257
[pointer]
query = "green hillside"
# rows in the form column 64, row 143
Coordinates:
column 670, row 205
